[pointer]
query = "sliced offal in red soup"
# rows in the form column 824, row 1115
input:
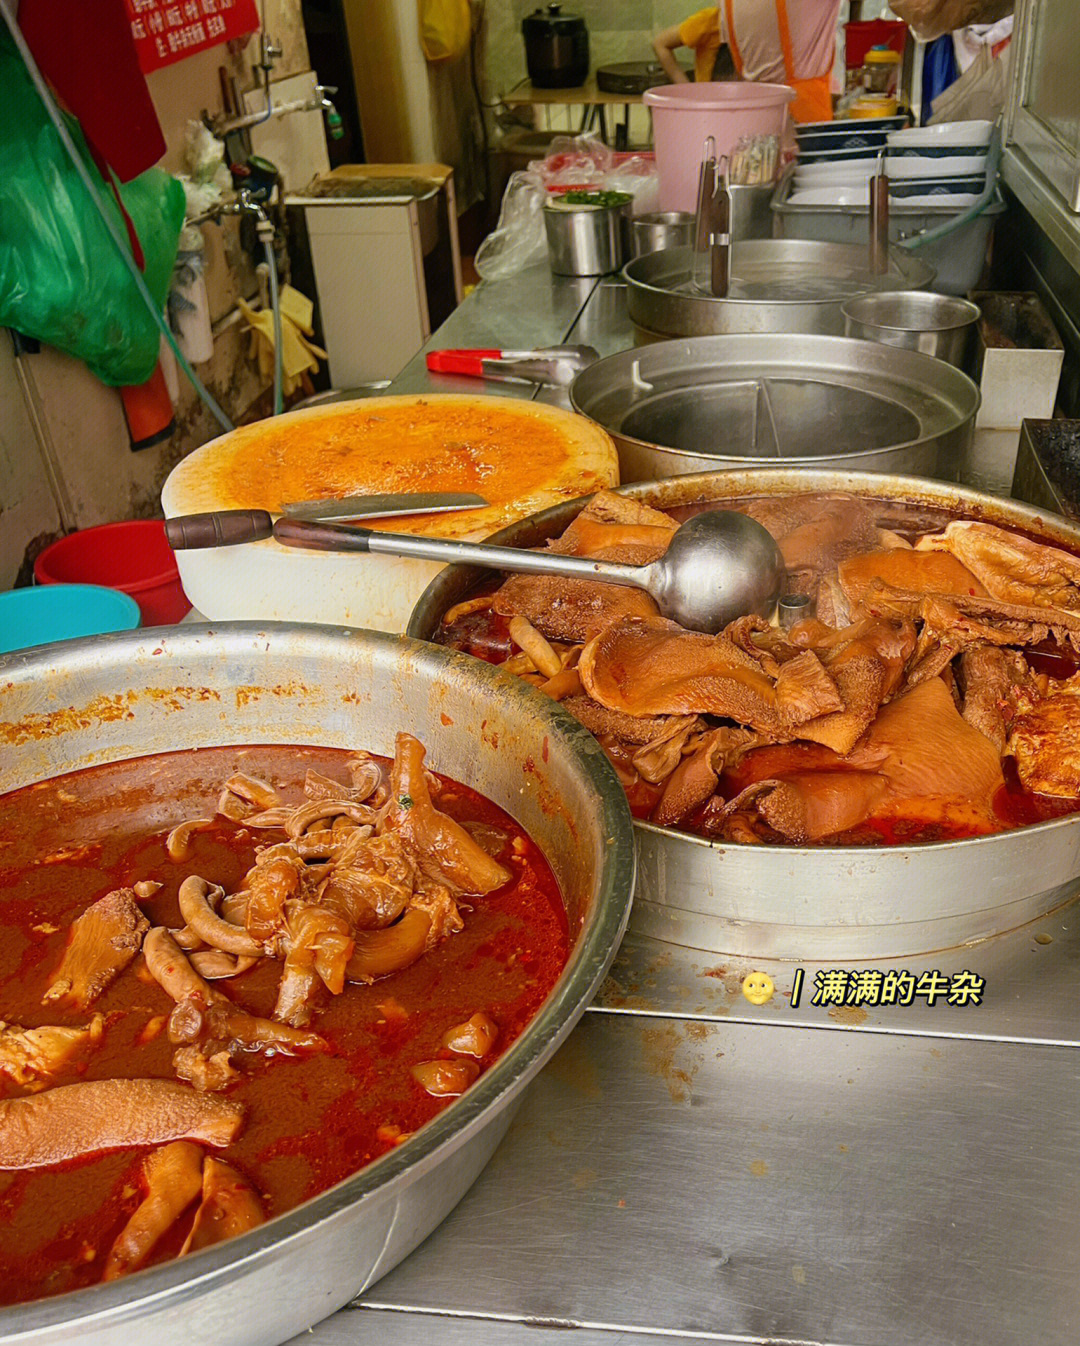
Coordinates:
column 231, row 977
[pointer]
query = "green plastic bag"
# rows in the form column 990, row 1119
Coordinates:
column 61, row 277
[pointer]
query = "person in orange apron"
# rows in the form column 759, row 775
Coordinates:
column 768, row 46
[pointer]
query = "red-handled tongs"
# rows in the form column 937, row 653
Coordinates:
column 554, row 365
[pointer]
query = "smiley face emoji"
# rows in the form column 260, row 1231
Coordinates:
column 758, row 988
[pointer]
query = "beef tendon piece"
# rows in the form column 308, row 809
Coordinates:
column 32, row 1057
column 443, row 849
column 990, row 674
column 1045, row 739
column 1012, row 567
column 695, row 778
column 866, row 663
column 813, row 532
column 920, row 761
column 649, row 667
column 925, row 749
column 960, row 621
column 927, row 571
column 614, row 528
column 638, row 730
column 657, row 760
column 98, row 1115
column 572, row 610
column 230, row 1206
column 104, row 940
column 609, row 528
column 812, row 805
column 173, row 1179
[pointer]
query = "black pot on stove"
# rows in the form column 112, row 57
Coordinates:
column 556, row 48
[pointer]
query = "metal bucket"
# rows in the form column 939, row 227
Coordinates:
column 758, row 400
column 72, row 705
column 824, row 902
column 933, row 324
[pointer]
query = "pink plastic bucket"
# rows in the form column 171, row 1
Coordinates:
column 685, row 114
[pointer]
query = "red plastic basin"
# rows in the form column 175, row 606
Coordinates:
column 134, row 557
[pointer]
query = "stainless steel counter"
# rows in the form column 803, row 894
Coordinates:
column 695, row 1168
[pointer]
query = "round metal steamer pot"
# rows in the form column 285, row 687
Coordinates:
column 72, row 705
column 824, row 902
column 754, row 401
column 777, row 285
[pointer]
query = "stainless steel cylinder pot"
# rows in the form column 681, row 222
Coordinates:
column 584, row 240
column 824, row 902
column 933, row 324
column 67, row 706
column 759, row 400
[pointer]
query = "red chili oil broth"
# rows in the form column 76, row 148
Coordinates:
column 310, row 1122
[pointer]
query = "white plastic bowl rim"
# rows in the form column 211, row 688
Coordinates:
column 913, row 166
column 944, row 134
column 818, row 175
column 840, row 195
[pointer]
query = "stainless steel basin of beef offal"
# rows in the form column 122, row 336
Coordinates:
column 702, row 403
column 777, row 285
column 111, row 698
column 821, row 901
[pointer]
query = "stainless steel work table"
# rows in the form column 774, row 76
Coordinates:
column 692, row 1167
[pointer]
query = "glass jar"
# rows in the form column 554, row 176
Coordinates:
column 881, row 71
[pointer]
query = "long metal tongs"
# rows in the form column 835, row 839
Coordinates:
column 712, row 233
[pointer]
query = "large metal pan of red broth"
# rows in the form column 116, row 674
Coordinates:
column 130, row 735
column 825, row 900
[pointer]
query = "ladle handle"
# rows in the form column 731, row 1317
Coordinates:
column 218, row 528
column 340, row 537
column 879, row 219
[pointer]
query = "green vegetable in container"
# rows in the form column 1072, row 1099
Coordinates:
column 607, row 200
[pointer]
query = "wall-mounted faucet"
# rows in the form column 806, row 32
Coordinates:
column 318, row 101
column 243, row 204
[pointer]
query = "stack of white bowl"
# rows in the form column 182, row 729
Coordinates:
column 924, row 164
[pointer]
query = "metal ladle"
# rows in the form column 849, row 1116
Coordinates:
column 719, row 565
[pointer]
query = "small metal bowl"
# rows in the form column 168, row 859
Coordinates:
column 915, row 320
column 659, row 230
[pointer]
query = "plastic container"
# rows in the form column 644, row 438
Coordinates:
column 881, row 70
column 43, row 614
column 873, row 107
column 860, row 36
column 133, row 556
column 958, row 258
column 684, row 115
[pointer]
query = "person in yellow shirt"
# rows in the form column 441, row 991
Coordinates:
column 701, row 31
column 765, row 44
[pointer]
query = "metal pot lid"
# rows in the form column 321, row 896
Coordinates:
column 780, row 271
column 632, row 77
column 761, row 398
column 551, row 21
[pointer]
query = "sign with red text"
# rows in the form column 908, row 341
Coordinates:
column 166, row 31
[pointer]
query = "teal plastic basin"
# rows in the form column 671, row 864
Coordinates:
column 40, row 615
